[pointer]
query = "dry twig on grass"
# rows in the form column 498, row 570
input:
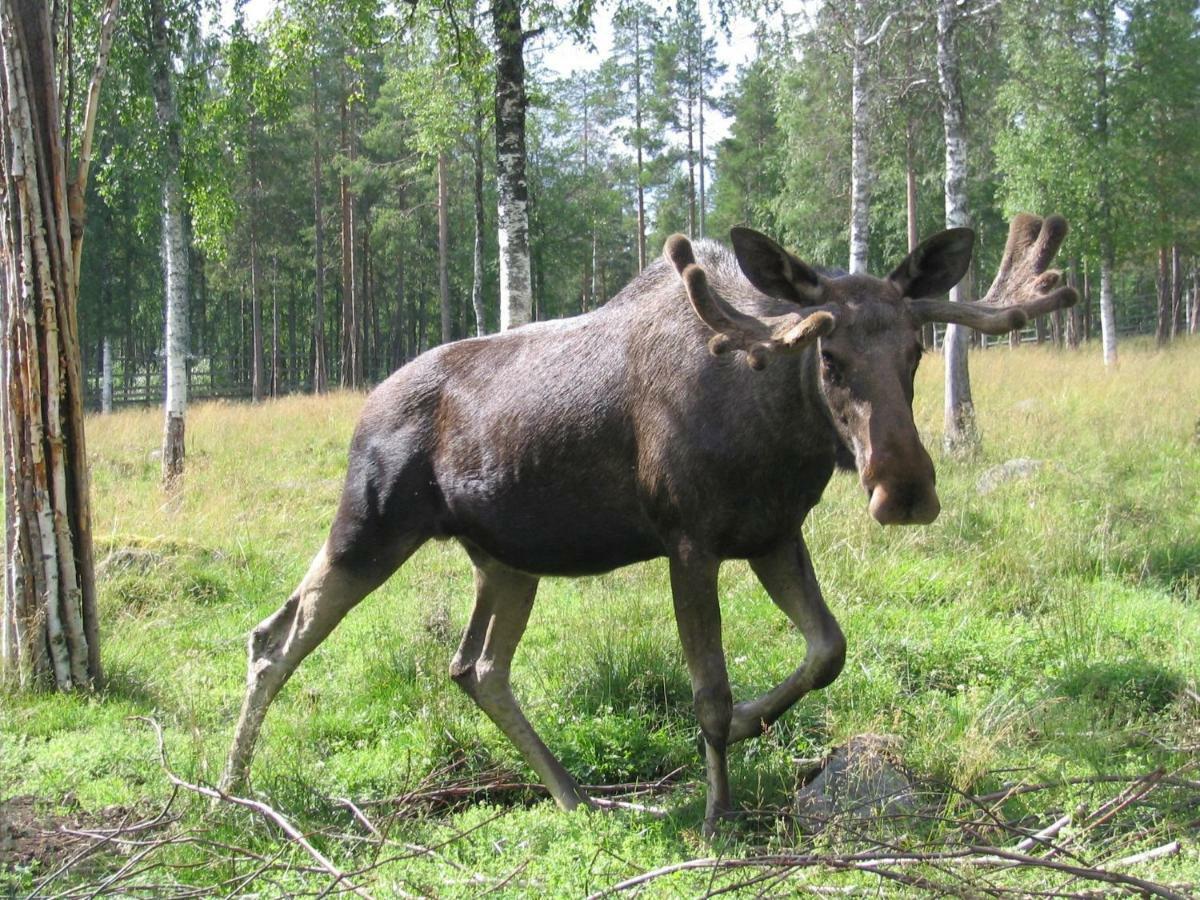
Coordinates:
column 262, row 809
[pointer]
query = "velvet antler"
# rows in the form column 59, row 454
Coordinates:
column 1024, row 287
column 735, row 330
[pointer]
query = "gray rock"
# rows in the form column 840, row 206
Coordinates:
column 862, row 779
column 1013, row 470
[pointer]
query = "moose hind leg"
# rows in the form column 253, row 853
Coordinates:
column 503, row 601
column 788, row 576
column 283, row 639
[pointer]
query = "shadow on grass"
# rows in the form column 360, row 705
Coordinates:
column 1174, row 566
column 1122, row 690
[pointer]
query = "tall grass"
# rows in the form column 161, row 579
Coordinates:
column 1047, row 628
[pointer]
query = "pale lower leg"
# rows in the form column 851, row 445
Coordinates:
column 281, row 641
column 791, row 583
column 481, row 667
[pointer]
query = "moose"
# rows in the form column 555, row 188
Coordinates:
column 698, row 416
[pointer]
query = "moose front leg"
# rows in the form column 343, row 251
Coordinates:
column 698, row 617
column 788, row 576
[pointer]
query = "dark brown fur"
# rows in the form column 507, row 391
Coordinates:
column 577, row 446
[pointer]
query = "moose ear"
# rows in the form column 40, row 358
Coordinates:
column 773, row 270
column 936, row 265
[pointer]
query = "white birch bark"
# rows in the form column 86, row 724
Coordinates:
column 48, row 631
column 860, row 164
column 1194, row 320
column 1108, row 319
column 960, row 434
column 512, row 190
column 477, row 250
column 444, row 247
column 106, row 377
column 174, row 249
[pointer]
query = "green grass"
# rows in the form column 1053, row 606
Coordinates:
column 1046, row 630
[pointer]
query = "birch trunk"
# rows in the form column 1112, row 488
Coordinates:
column 637, row 121
column 860, row 171
column 1108, row 320
column 48, row 626
column 1194, row 323
column 516, row 294
column 961, row 434
column 477, row 253
column 444, row 248
column 106, row 377
column 174, row 248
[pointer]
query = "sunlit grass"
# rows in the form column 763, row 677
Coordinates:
column 1045, row 628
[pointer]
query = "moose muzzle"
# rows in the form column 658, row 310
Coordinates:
column 904, row 503
column 901, row 485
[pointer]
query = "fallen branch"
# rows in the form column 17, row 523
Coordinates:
column 262, row 809
column 1146, row 855
column 1017, row 790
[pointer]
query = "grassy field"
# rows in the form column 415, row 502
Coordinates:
column 1047, row 630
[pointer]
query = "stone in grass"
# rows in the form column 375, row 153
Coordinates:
column 861, row 780
column 1013, row 470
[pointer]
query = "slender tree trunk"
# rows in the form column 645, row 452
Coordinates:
column 1162, row 284
column 292, row 375
column 444, row 248
column 1086, row 301
column 1075, row 316
column 106, row 377
column 638, row 138
column 175, row 255
column 1194, row 324
column 258, row 381
column 320, row 373
column 700, row 115
column 693, row 225
column 276, row 350
column 961, row 434
column 351, row 357
column 367, row 304
column 1108, row 320
column 1178, row 317
column 860, row 165
column 477, row 253
column 49, row 632
column 516, row 294
column 1102, row 11
column 928, row 333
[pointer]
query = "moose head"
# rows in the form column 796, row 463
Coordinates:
column 867, row 332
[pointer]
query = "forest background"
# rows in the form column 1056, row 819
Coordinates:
column 318, row 144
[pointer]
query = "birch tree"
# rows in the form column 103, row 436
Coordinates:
column 48, row 630
column 174, row 243
column 960, row 431
column 516, row 294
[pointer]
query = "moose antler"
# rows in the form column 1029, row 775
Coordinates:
column 735, row 330
column 1024, row 287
